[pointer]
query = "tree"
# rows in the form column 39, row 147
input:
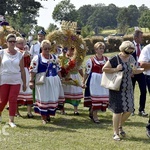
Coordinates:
column 20, row 14
column 104, row 16
column 87, row 31
column 52, row 27
column 8, row 7
column 134, row 14
column 123, row 20
column 142, row 8
column 64, row 11
column 84, row 13
column 144, row 20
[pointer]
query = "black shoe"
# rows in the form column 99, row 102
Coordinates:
column 76, row 114
column 143, row 113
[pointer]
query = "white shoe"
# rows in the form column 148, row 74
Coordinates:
column 116, row 137
column 12, row 124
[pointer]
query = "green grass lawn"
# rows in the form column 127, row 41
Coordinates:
column 69, row 132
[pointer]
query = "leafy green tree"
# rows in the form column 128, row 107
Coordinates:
column 144, row 20
column 65, row 11
column 87, row 31
column 123, row 20
column 8, row 7
column 52, row 27
column 104, row 16
column 134, row 14
column 21, row 14
column 142, row 8
column 84, row 13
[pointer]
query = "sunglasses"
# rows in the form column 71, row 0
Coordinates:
column 100, row 48
column 19, row 43
column 47, row 48
column 128, row 52
column 12, row 41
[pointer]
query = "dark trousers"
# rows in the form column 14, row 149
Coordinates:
column 140, row 78
column 148, row 86
column 148, row 82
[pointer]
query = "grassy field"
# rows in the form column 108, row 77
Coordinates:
column 69, row 132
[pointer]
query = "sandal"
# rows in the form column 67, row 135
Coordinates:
column 18, row 115
column 121, row 132
column 63, row 113
column 116, row 137
column 29, row 115
column 44, row 122
column 96, row 121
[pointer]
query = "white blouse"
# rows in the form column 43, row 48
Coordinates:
column 10, row 68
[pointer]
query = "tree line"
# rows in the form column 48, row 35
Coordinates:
column 91, row 18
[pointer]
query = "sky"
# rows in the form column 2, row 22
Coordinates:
column 45, row 14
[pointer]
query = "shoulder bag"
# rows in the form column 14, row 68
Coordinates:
column 40, row 77
column 112, row 81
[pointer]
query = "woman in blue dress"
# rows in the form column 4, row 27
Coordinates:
column 49, row 94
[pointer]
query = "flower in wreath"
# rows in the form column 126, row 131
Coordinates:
column 64, row 72
column 132, row 66
column 71, row 64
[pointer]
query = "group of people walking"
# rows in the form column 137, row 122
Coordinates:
column 19, row 68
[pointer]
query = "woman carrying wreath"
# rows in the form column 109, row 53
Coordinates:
column 73, row 93
column 96, row 97
column 49, row 94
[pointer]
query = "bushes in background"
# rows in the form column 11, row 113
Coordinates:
column 113, row 42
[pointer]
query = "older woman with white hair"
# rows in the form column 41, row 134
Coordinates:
column 49, row 94
column 121, row 102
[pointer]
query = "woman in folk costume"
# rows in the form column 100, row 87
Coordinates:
column 74, row 51
column 73, row 93
column 49, row 94
column 96, row 97
column 25, row 98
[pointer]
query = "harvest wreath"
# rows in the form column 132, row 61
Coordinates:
column 67, row 38
column 5, row 29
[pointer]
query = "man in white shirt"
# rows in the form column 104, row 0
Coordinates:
column 144, row 61
column 35, row 48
